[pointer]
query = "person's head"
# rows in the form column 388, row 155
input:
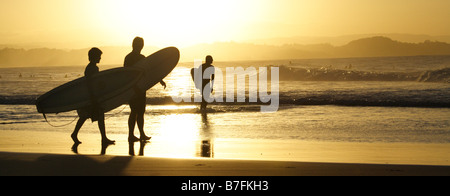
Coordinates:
column 138, row 44
column 95, row 55
column 209, row 60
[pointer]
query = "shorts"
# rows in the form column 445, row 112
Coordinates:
column 89, row 112
column 138, row 103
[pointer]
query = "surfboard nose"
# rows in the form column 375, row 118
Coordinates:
column 173, row 50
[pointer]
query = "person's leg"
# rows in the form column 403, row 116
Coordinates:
column 131, row 125
column 205, row 95
column 101, row 127
column 74, row 135
column 132, row 120
column 140, row 122
column 203, row 105
column 140, row 117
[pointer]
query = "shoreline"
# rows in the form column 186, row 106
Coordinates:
column 36, row 164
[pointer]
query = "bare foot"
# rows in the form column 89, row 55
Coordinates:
column 106, row 141
column 132, row 138
column 144, row 138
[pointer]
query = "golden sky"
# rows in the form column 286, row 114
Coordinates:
column 83, row 23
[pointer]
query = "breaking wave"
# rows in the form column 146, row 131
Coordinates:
column 411, row 98
column 331, row 74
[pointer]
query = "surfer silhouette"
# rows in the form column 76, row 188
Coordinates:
column 93, row 112
column 138, row 101
column 207, row 81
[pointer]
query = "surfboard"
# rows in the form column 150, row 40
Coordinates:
column 111, row 88
column 196, row 73
column 197, row 77
column 156, row 67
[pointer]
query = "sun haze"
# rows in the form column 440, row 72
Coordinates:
column 82, row 23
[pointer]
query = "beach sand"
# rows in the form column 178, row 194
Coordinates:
column 53, row 164
column 50, row 153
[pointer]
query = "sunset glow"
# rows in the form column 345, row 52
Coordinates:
column 172, row 22
column 82, row 23
column 224, row 88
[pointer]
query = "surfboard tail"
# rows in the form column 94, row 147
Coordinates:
column 197, row 77
column 38, row 107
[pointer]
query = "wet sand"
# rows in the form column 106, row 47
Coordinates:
column 54, row 142
column 50, row 153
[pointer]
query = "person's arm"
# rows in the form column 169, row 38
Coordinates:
column 90, row 85
column 212, row 82
column 212, row 78
column 125, row 62
column 163, row 84
column 91, row 91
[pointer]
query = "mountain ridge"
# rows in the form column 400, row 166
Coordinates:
column 377, row 46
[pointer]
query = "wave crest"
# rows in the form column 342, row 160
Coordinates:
column 331, row 74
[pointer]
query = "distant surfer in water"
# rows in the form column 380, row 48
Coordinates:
column 207, row 81
column 138, row 102
column 94, row 112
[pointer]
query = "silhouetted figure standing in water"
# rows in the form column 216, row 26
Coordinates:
column 207, row 81
column 138, row 102
column 94, row 112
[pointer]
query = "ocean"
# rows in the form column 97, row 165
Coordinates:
column 350, row 100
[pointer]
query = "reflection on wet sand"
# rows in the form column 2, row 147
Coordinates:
column 104, row 146
column 141, row 147
column 207, row 144
column 178, row 135
column 131, row 150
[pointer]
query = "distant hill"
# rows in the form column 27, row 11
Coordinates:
column 367, row 47
column 383, row 46
column 231, row 51
column 344, row 39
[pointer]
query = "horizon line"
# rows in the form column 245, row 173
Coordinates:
column 41, row 45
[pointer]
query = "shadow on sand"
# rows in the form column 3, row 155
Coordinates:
column 62, row 165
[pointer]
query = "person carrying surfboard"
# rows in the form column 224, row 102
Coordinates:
column 207, row 81
column 138, row 102
column 94, row 112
